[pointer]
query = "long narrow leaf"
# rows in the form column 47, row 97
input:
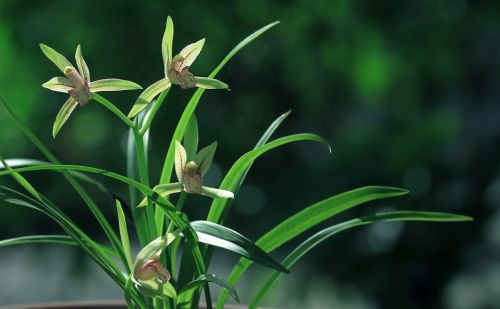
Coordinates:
column 76, row 185
column 83, row 241
column 38, row 239
column 219, row 210
column 19, row 162
column 122, row 224
column 308, row 218
column 325, row 234
column 261, row 142
column 48, row 239
column 226, row 203
column 225, row 238
column 184, row 296
column 21, row 180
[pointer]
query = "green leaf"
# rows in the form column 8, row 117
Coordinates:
column 164, row 205
column 46, row 239
column 127, row 290
column 38, row 239
column 59, row 84
column 153, row 289
column 64, row 167
column 21, row 180
column 190, row 140
column 271, row 129
column 82, row 65
column 191, row 52
column 219, row 209
column 324, row 234
column 323, row 210
column 88, row 245
column 262, row 141
column 205, row 157
column 240, row 45
column 225, row 238
column 18, row 162
column 209, row 83
column 166, row 44
column 122, row 224
column 63, row 115
column 148, row 95
column 186, row 292
column 59, row 60
column 113, row 84
column 74, row 183
column 310, row 217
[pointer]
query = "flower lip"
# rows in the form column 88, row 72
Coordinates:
column 154, row 269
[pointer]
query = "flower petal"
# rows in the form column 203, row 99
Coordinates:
column 209, row 83
column 204, row 157
column 148, row 95
column 163, row 191
column 153, row 250
column 82, row 65
column 153, row 289
column 180, row 159
column 59, row 84
column 113, row 84
column 216, row 193
column 166, row 44
column 191, row 52
column 59, row 60
column 63, row 115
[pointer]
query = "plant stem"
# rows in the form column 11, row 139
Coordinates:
column 106, row 103
column 144, row 178
column 148, row 119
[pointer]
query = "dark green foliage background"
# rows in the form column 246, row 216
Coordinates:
column 406, row 91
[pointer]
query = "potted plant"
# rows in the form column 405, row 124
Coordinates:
column 149, row 278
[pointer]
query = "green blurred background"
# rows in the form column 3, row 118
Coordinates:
column 406, row 91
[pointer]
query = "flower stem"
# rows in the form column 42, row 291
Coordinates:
column 144, row 178
column 106, row 103
column 148, row 119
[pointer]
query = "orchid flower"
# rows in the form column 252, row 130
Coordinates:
column 77, row 83
column 176, row 70
column 150, row 277
column 190, row 172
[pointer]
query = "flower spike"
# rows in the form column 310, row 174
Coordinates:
column 77, row 84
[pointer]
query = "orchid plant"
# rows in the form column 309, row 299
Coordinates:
column 155, row 278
